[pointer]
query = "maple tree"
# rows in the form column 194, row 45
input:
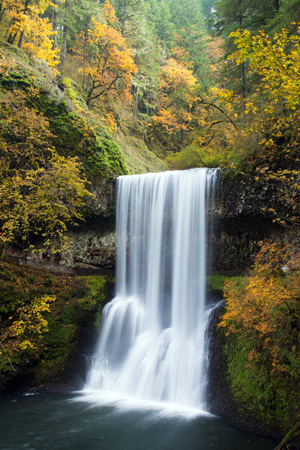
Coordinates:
column 40, row 191
column 38, row 41
column 261, row 322
column 176, row 98
column 34, row 32
column 110, row 63
column 28, row 327
column 276, row 60
column 274, row 114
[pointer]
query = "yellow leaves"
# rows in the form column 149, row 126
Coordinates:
column 110, row 65
column 110, row 120
column 287, row 181
column 265, row 309
column 38, row 40
column 223, row 94
column 177, row 97
column 277, row 61
column 35, row 31
column 250, row 107
column 40, row 191
column 175, row 75
column 30, row 324
column 109, row 13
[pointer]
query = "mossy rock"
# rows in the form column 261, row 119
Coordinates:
column 73, row 323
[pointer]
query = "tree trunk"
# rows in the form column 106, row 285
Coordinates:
column 277, row 5
column 53, row 21
column 21, row 39
column 65, row 39
column 11, row 38
column 243, row 76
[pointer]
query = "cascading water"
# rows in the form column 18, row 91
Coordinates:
column 152, row 344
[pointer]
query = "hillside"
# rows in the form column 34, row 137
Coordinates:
column 92, row 90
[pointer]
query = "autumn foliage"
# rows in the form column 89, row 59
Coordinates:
column 32, row 32
column 29, row 327
column 40, row 191
column 262, row 324
column 177, row 95
column 105, row 58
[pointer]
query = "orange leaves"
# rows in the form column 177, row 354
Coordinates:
column 177, row 96
column 34, row 32
column 265, row 311
column 176, row 78
column 110, row 63
column 109, row 14
column 167, row 120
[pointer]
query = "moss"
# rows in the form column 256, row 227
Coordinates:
column 79, row 301
column 272, row 400
column 264, row 388
column 79, row 132
column 101, row 156
column 70, row 123
column 215, row 283
column 14, row 80
column 85, row 298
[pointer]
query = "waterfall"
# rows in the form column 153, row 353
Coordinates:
column 153, row 342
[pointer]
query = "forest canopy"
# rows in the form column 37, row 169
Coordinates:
column 204, row 77
column 201, row 82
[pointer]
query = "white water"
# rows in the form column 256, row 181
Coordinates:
column 153, row 340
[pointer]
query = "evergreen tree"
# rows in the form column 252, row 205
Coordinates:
column 135, row 21
column 69, row 19
column 229, row 16
column 190, row 25
column 207, row 8
column 160, row 16
column 288, row 14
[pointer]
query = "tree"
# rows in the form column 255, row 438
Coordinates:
column 33, row 31
column 111, row 64
column 71, row 18
column 161, row 18
column 275, row 112
column 261, row 323
column 126, row 11
column 22, row 14
column 40, row 191
column 245, row 15
column 177, row 95
column 192, row 36
column 28, row 329
column 288, row 14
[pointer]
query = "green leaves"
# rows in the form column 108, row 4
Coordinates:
column 261, row 323
column 40, row 191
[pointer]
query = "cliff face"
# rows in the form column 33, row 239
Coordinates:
column 241, row 222
column 76, row 131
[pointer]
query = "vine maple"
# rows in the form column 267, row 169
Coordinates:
column 261, row 322
column 274, row 114
column 177, row 96
column 40, row 191
column 110, row 63
column 34, row 32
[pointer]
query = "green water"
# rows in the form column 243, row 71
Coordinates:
column 51, row 422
